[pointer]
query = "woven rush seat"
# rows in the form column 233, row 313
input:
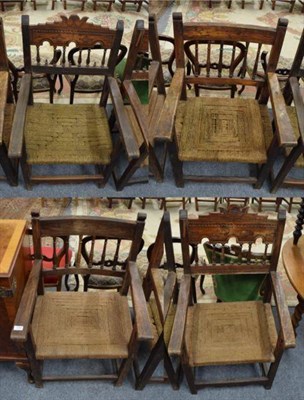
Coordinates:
column 67, row 134
column 230, row 333
column 222, row 130
column 292, row 113
column 81, row 325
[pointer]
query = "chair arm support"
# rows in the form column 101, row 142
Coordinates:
column 124, row 125
column 166, row 122
column 284, row 130
column 179, row 324
column 27, row 304
column 142, row 320
column 4, row 82
column 138, row 108
column 158, row 290
column 298, row 102
column 288, row 335
column 16, row 141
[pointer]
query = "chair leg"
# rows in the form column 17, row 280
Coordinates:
column 10, row 170
column 189, row 377
column 154, row 359
column 272, row 154
column 177, row 165
column 35, row 365
column 298, row 313
column 286, row 167
column 261, row 4
column 127, row 362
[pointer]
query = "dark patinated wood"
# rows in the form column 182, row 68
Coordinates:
column 172, row 124
column 160, row 297
column 7, row 108
column 26, row 327
column 92, row 135
column 135, row 2
column 292, row 93
column 189, row 338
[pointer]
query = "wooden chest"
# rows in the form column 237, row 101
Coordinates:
column 14, row 268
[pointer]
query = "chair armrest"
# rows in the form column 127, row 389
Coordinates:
column 142, row 320
column 4, row 82
column 27, row 304
column 283, row 312
column 166, row 122
column 140, row 112
column 298, row 102
column 170, row 286
column 284, row 130
column 179, row 324
column 122, row 118
column 16, row 141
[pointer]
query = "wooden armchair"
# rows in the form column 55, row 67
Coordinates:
column 293, row 93
column 88, row 83
column 160, row 293
column 7, row 110
column 47, row 136
column 135, row 2
column 117, row 261
column 232, row 333
column 78, row 325
column 219, row 130
column 134, row 90
column 41, row 82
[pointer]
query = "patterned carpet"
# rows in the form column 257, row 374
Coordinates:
column 199, row 11
column 18, row 208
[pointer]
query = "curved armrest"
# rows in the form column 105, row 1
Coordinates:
column 27, row 305
column 122, row 118
column 298, row 102
column 16, row 141
column 166, row 122
column 284, row 130
column 177, row 335
column 283, row 312
column 142, row 320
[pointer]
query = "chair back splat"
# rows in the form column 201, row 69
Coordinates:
column 233, row 136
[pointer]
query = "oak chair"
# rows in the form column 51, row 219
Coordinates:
column 226, row 131
column 78, row 325
column 161, row 294
column 109, row 2
column 139, row 3
column 41, row 82
column 77, row 134
column 230, row 333
column 157, row 96
column 7, row 111
column 116, row 261
column 293, row 93
column 291, row 2
column 88, row 83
